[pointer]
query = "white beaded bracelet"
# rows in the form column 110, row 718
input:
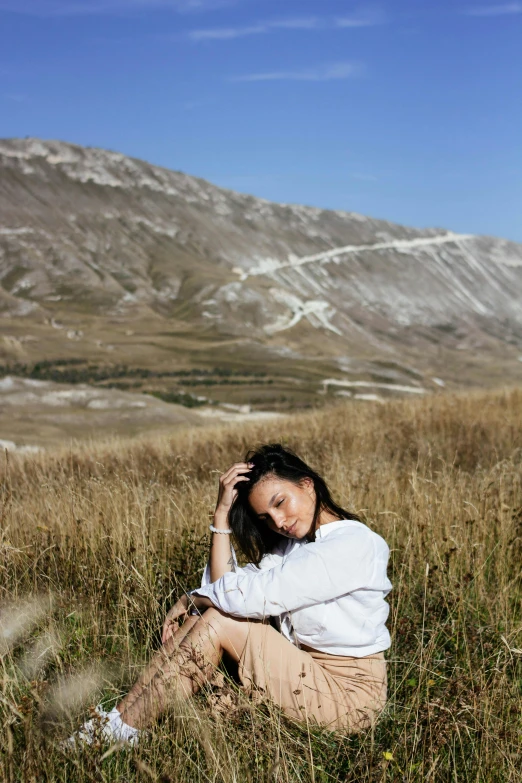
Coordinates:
column 216, row 530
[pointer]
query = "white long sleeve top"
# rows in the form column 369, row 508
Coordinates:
column 328, row 594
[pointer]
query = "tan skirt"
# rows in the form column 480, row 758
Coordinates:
column 335, row 691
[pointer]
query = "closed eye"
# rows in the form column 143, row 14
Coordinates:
column 264, row 517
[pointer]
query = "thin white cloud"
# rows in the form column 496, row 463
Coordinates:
column 299, row 23
column 260, row 28
column 362, row 18
column 507, row 9
column 50, row 8
column 342, row 70
column 226, row 33
column 369, row 16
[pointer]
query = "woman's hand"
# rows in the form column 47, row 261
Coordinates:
column 170, row 626
column 227, row 494
column 181, row 608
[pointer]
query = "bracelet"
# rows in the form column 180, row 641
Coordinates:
column 216, row 530
column 193, row 609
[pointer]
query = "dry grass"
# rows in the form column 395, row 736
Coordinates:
column 96, row 542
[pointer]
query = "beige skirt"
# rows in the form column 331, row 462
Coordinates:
column 335, row 691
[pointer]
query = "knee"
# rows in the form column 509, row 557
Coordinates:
column 218, row 622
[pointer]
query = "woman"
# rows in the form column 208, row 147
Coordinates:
column 315, row 569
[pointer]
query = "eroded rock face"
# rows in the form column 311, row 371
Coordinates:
column 97, row 232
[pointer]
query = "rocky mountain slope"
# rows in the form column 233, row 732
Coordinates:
column 104, row 256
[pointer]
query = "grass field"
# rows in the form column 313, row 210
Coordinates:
column 96, row 543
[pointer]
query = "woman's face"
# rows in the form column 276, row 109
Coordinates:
column 286, row 507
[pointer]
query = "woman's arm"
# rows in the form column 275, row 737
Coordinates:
column 349, row 560
column 221, row 559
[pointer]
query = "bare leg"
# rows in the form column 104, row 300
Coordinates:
column 166, row 651
column 181, row 667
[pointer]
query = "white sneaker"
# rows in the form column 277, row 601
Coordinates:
column 103, row 727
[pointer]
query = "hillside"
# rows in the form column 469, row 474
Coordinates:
column 110, row 260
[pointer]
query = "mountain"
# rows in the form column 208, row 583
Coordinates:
column 109, row 260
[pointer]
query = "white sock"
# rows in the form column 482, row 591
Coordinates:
column 109, row 725
column 121, row 730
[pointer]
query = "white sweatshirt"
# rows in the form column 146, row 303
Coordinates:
column 328, row 594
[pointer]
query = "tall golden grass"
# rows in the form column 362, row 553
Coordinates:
column 104, row 537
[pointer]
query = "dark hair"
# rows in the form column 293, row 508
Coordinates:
column 255, row 538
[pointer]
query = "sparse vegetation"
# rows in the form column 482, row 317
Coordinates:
column 100, row 539
column 189, row 400
column 80, row 371
column 136, row 379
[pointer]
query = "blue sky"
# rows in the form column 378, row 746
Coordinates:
column 407, row 111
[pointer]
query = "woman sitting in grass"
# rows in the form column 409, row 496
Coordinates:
column 304, row 620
